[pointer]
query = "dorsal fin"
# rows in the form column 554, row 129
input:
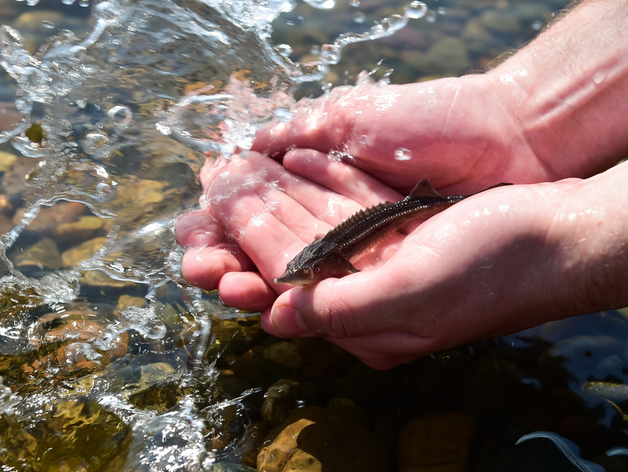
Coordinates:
column 424, row 189
column 356, row 218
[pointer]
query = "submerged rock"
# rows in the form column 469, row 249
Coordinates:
column 83, row 251
column 85, row 228
column 279, row 400
column 6, row 161
column 284, row 353
column 44, row 254
column 312, row 439
column 69, row 435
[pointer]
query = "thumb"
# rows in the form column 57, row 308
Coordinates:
column 339, row 308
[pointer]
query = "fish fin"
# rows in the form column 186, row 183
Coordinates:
column 424, row 189
column 344, row 264
column 349, row 268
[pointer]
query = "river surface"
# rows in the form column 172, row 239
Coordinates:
column 110, row 361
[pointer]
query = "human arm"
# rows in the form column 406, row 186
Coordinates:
column 553, row 110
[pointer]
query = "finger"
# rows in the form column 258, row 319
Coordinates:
column 293, row 215
column 355, row 305
column 312, row 126
column 331, row 206
column 260, row 234
column 197, row 229
column 368, row 121
column 246, row 291
column 341, row 177
column 204, row 266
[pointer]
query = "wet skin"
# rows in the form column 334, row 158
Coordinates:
column 330, row 255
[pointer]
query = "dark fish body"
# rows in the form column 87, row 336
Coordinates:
column 330, row 255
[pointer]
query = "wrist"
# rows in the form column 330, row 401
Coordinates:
column 565, row 90
column 589, row 228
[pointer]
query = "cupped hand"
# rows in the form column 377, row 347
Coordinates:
column 462, row 133
column 258, row 214
column 485, row 266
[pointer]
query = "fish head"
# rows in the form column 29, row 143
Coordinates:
column 315, row 263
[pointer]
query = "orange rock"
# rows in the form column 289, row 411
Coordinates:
column 312, row 439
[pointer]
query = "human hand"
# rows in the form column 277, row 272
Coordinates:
column 492, row 264
column 258, row 208
column 459, row 132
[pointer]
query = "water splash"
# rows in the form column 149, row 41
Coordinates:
column 126, row 114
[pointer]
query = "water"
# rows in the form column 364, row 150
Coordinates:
column 101, row 338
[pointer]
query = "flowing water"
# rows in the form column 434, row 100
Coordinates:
column 108, row 360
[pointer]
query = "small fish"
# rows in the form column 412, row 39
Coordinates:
column 330, row 255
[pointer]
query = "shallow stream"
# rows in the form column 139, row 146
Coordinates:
column 110, row 361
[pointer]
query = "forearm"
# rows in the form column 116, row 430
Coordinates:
column 591, row 228
column 568, row 90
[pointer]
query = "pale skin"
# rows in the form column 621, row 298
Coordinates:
column 550, row 119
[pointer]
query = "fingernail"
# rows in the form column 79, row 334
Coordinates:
column 289, row 321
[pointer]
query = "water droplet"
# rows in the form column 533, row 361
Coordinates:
column 359, row 17
column 67, row 2
column 430, row 17
column 47, row 24
column 101, row 172
column 322, row 4
column 536, row 25
column 403, row 154
column 283, row 114
column 599, row 77
column 120, row 115
column 415, row 10
column 103, row 189
column 93, row 141
column 364, row 139
column 336, row 155
column 284, row 49
column 441, row 11
column 330, row 54
column 354, row 3
column 32, row 3
column 389, row 25
column 84, row 3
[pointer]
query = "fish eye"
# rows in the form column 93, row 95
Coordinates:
column 317, row 269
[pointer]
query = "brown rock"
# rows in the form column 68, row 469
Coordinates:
column 100, row 279
column 82, row 229
column 436, row 442
column 51, row 217
column 311, row 439
column 9, row 116
column 43, row 254
column 279, row 400
column 284, row 353
column 79, row 253
column 6, row 161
